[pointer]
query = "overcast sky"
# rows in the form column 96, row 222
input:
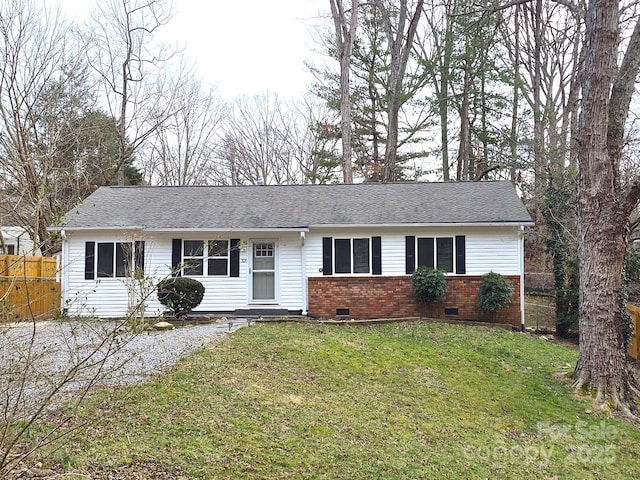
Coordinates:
column 244, row 47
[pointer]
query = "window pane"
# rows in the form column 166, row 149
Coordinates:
column 218, row 248
column 193, row 267
column 105, row 260
column 217, row 266
column 263, row 256
column 343, row 255
column 425, row 252
column 444, row 253
column 264, row 286
column 360, row 255
column 193, row 248
column 123, row 259
column 263, row 250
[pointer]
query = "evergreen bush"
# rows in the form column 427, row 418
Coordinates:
column 180, row 294
column 429, row 285
column 495, row 292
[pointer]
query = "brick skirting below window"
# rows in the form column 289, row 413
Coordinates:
column 392, row 297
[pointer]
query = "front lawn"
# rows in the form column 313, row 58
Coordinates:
column 401, row 401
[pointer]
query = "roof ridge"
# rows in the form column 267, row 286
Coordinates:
column 460, row 182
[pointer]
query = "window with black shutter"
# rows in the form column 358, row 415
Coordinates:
column 351, row 255
column 207, row 257
column 113, row 259
column 443, row 253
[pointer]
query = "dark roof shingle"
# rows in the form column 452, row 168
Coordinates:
column 298, row 206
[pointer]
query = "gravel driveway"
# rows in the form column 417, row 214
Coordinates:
column 35, row 359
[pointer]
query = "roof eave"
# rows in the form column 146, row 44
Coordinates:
column 173, row 230
column 515, row 223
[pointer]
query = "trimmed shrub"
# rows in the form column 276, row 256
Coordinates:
column 495, row 291
column 180, row 294
column 429, row 285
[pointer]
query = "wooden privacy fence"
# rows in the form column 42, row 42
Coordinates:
column 28, row 287
column 634, row 344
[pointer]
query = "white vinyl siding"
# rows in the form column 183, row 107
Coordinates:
column 290, row 271
column 498, row 252
column 103, row 297
column 495, row 249
column 487, row 248
column 109, row 297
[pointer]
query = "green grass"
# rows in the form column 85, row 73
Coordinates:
column 401, row 401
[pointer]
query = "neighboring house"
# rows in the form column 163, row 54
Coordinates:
column 17, row 241
column 322, row 250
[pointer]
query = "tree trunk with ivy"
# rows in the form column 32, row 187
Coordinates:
column 604, row 209
column 558, row 209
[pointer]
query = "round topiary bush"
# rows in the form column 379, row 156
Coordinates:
column 180, row 294
column 429, row 285
column 495, row 291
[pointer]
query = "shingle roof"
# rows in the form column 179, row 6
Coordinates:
column 298, row 206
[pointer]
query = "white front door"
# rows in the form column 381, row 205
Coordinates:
column 263, row 271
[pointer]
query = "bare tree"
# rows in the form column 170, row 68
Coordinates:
column 604, row 206
column 400, row 37
column 257, row 141
column 314, row 141
column 131, row 64
column 181, row 152
column 346, row 24
column 436, row 48
column 38, row 69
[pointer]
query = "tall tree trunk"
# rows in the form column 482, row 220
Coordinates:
column 603, row 212
column 401, row 45
column 345, row 34
column 539, row 161
column 464, row 154
column 513, row 136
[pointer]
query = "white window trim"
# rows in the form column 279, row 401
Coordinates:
column 435, row 251
column 351, row 239
column 114, row 265
column 276, row 272
column 205, row 257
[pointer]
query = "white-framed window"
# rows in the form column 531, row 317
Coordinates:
column 114, row 259
column 352, row 255
column 436, row 252
column 205, row 257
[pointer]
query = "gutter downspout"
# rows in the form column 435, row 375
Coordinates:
column 522, row 320
column 303, row 274
column 64, row 271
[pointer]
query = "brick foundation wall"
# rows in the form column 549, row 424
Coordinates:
column 389, row 297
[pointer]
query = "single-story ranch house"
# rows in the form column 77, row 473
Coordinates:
column 340, row 250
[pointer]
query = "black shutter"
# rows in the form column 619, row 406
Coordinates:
column 234, row 258
column 376, row 255
column 410, row 254
column 176, row 257
column 89, row 260
column 138, row 258
column 461, row 267
column 327, row 256
column 425, row 252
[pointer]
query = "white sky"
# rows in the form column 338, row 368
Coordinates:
column 245, row 47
